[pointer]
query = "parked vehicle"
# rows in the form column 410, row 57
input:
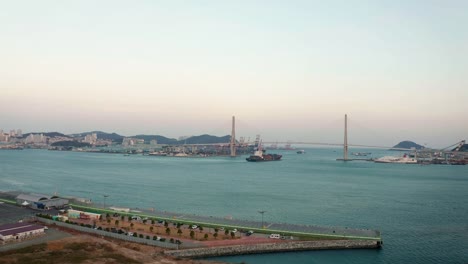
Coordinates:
column 275, row 236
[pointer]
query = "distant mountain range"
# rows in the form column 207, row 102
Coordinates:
column 202, row 139
column 101, row 135
column 48, row 134
column 408, row 145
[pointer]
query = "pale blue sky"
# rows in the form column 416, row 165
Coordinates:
column 286, row 69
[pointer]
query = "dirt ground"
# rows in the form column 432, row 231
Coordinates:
column 159, row 229
column 87, row 249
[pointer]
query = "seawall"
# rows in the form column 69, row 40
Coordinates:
column 273, row 247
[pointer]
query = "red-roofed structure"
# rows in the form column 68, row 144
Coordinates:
column 17, row 231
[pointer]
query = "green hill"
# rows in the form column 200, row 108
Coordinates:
column 101, row 135
column 205, row 139
column 408, row 145
column 47, row 134
column 159, row 139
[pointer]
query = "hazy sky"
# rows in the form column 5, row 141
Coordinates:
column 288, row 70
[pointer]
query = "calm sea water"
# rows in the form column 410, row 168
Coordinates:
column 422, row 211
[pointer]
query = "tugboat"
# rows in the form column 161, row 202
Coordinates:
column 258, row 155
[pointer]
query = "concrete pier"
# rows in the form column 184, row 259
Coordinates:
column 273, row 247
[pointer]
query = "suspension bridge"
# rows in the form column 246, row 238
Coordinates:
column 233, row 144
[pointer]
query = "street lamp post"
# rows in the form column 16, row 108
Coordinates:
column 262, row 212
column 105, row 196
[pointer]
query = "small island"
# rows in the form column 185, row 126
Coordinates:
column 407, row 145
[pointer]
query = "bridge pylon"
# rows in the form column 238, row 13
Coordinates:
column 233, row 137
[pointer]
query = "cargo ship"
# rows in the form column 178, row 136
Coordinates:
column 259, row 156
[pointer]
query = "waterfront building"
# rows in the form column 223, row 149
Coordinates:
column 18, row 231
column 4, row 137
column 82, row 215
column 41, row 201
column 90, row 138
column 132, row 141
column 59, row 139
column 35, row 139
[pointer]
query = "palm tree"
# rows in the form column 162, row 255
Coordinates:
column 233, row 234
column 200, row 228
column 108, row 220
column 122, row 218
column 226, row 232
column 215, row 235
column 151, row 229
column 117, row 222
column 192, row 234
column 131, row 225
column 168, row 231
column 179, row 232
column 206, row 236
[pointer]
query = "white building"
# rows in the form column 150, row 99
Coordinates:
column 18, row 231
column 132, row 141
column 4, row 137
column 35, row 139
column 90, row 138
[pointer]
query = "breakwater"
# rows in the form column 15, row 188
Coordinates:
column 273, row 247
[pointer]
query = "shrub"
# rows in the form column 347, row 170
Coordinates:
column 162, row 239
column 147, row 237
column 141, row 235
column 172, row 240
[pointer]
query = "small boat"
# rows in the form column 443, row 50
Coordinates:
column 301, row 151
column 259, row 156
column 361, row 153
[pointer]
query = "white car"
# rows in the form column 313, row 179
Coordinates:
column 275, row 236
column 130, row 233
column 194, row 227
column 234, row 230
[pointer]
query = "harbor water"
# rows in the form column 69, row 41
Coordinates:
column 421, row 211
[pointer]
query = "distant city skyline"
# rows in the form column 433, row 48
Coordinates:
column 286, row 70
